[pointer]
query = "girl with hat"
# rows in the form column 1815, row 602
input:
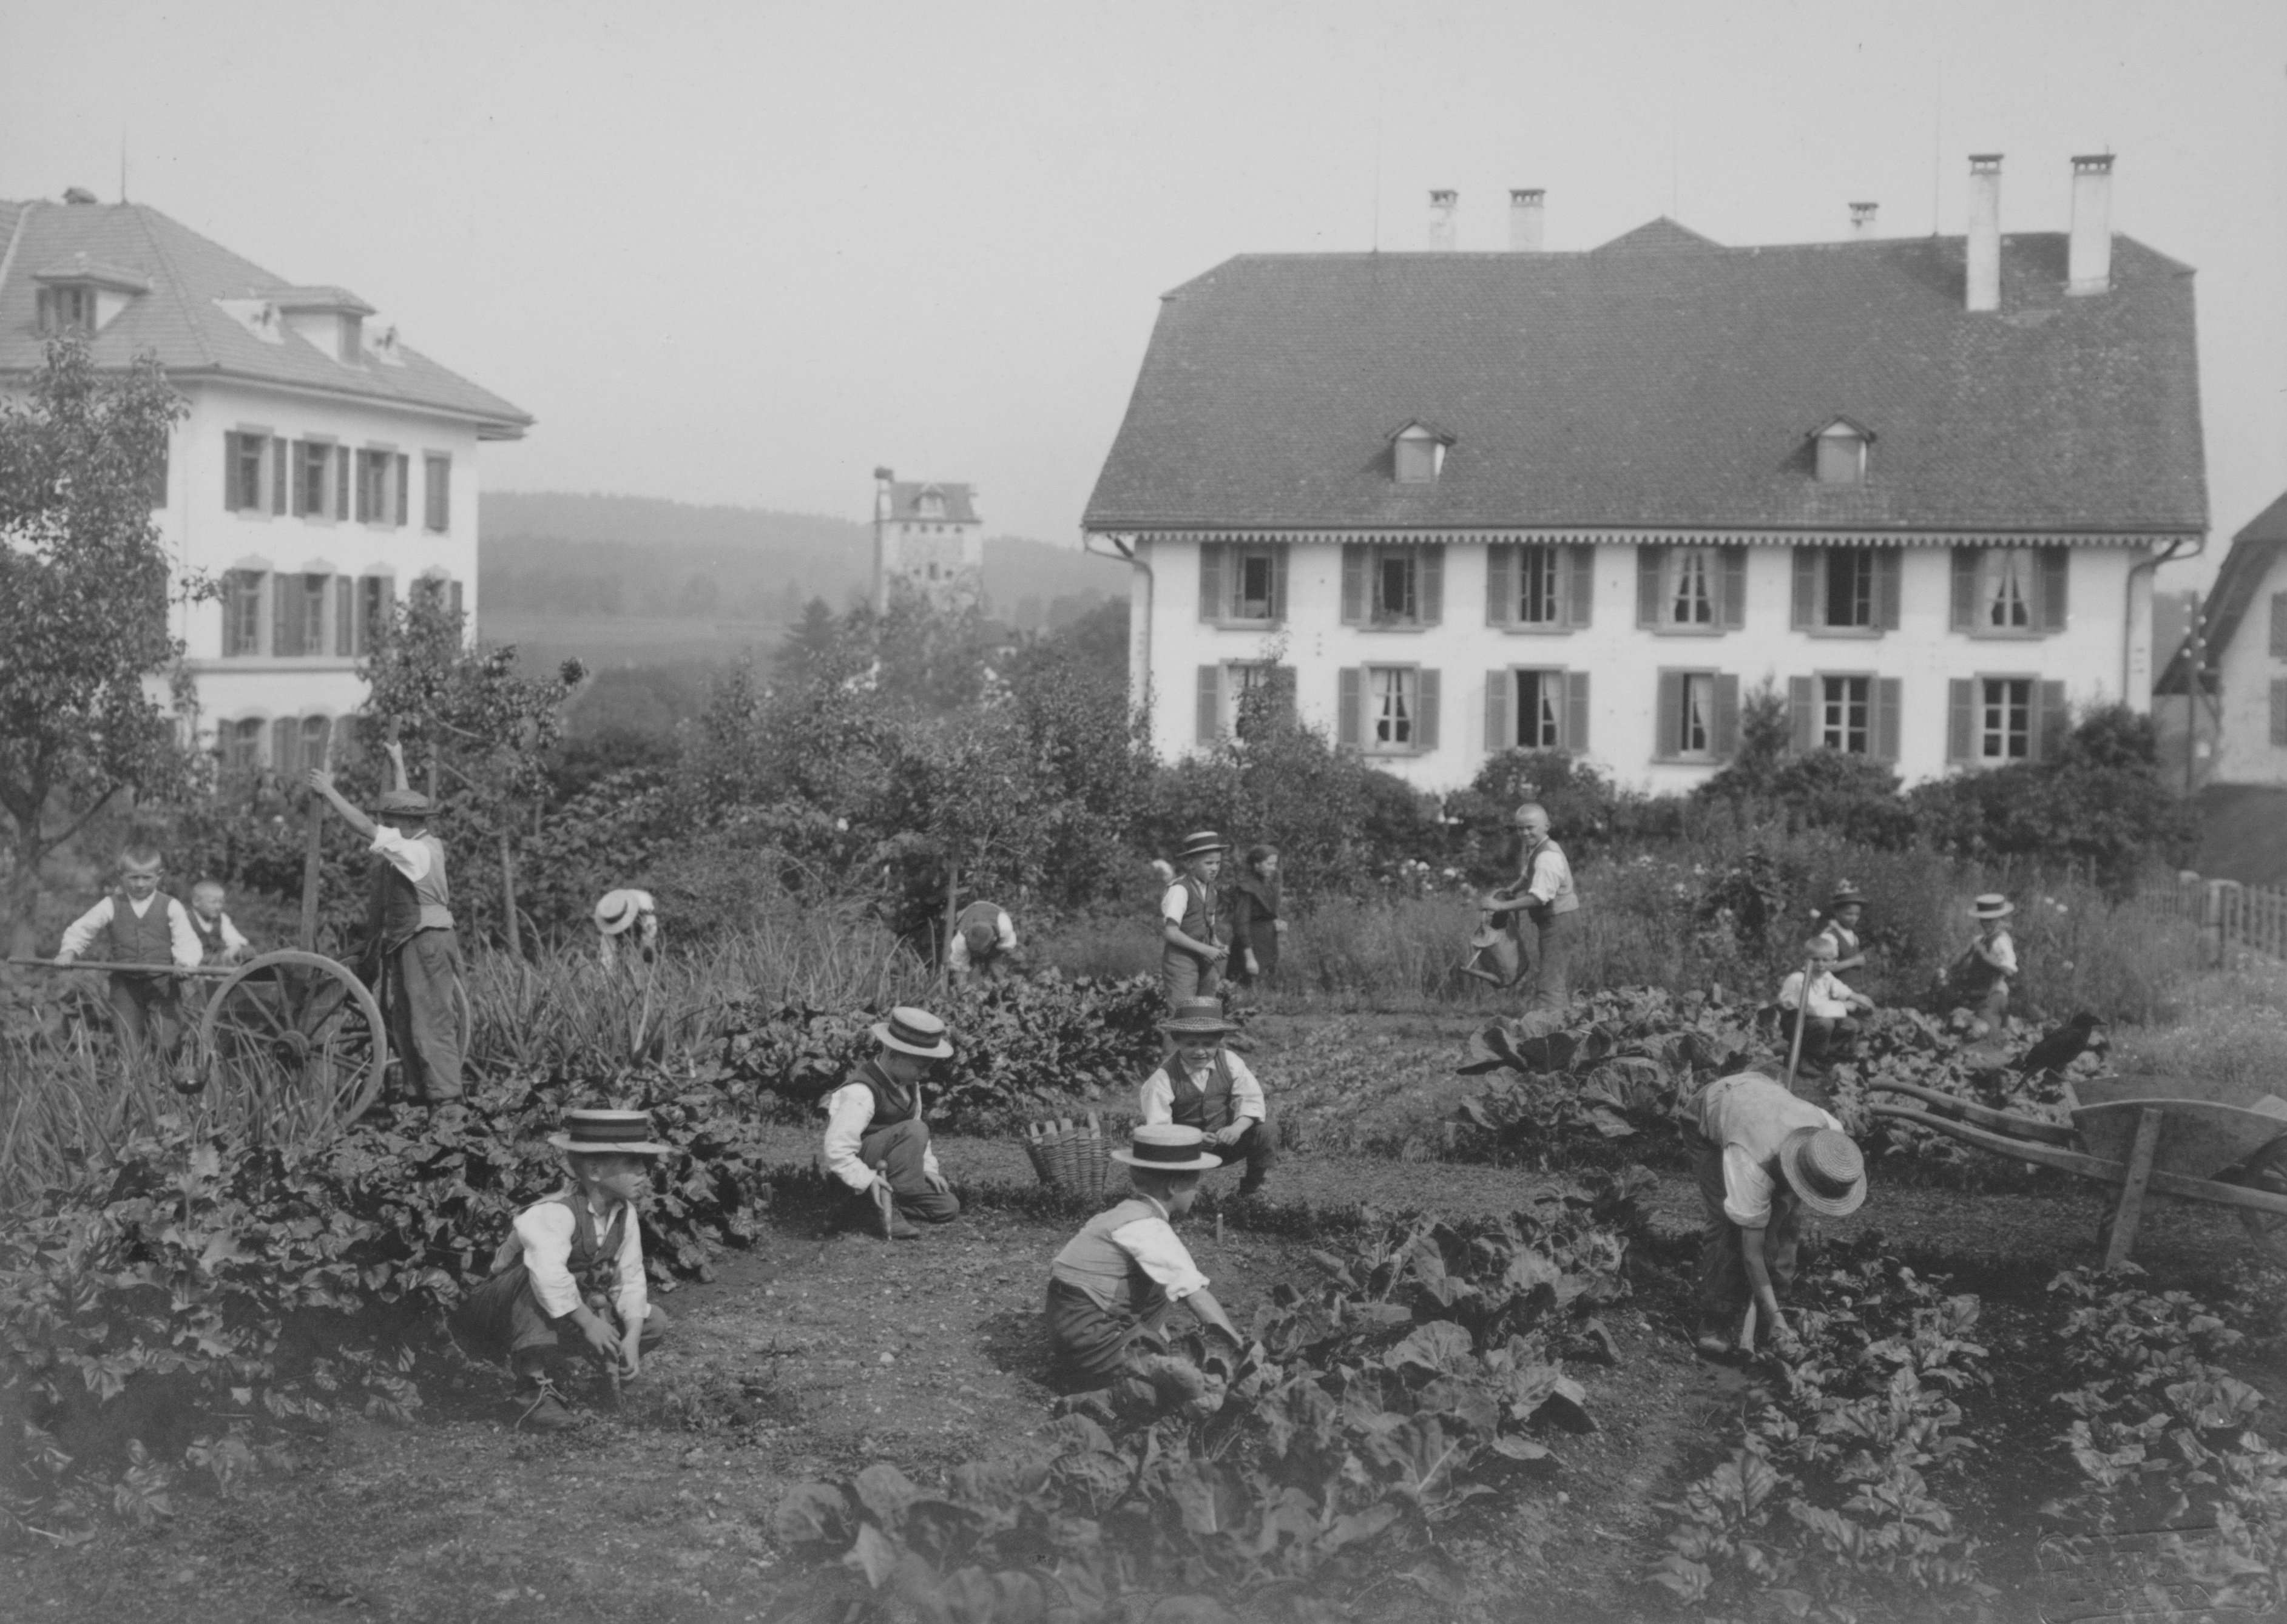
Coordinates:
column 1203, row 1086
column 1190, row 958
column 1111, row 1288
column 1839, row 920
column 876, row 1142
column 619, row 912
column 573, row 1261
column 1761, row 1157
column 1981, row 977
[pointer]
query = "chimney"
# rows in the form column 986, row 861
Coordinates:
column 2089, row 261
column 1443, row 207
column 1528, row 214
column 1985, row 281
column 1862, row 220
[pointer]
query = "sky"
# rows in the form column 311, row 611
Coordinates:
column 746, row 252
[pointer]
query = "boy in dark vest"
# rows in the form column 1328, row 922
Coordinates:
column 983, row 942
column 1191, row 957
column 876, row 1142
column 1203, row 1086
column 574, row 1262
column 410, row 915
column 137, row 925
column 1111, row 1288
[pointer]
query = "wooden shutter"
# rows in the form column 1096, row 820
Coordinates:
column 2052, row 720
column 341, row 482
column 1354, row 561
column 1579, row 585
column 345, row 616
column 2279, row 711
column 285, row 622
column 2056, row 575
column 1888, row 693
column 1889, row 564
column 1731, row 613
column 1425, row 710
column 296, row 457
column 1666, row 728
column 281, row 476
column 1575, row 732
column 1210, row 713
column 1500, row 732
column 1803, row 711
column 1211, row 592
column 1431, row 564
column 229, row 471
column 1727, row 716
column 362, row 469
column 1500, row 586
column 1805, row 613
column 404, row 489
column 1965, row 590
column 1350, row 700
column 1649, row 560
column 1278, row 582
column 285, row 739
column 2279, row 626
column 1961, row 719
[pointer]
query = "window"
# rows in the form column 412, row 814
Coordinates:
column 1842, row 454
column 1392, row 699
column 376, row 597
column 299, row 614
column 1540, row 589
column 241, row 612
column 437, row 493
column 1691, row 589
column 313, row 464
column 1417, row 453
column 316, row 732
column 1387, row 710
column 286, row 747
column 1697, row 716
column 1994, row 719
column 375, row 471
column 1245, row 584
column 1393, row 588
column 2010, row 591
column 243, row 489
column 2004, row 719
column 2005, row 589
column 1534, row 709
column 240, row 745
column 1847, row 589
column 1845, row 715
column 66, row 307
column 1849, row 712
column 1234, row 698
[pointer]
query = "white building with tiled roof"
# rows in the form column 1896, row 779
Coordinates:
column 325, row 467
column 1456, row 504
column 927, row 536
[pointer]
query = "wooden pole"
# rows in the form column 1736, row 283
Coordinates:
column 951, row 913
column 314, row 824
column 508, row 896
column 1802, row 1020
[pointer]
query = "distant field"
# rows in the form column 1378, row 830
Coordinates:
column 605, row 641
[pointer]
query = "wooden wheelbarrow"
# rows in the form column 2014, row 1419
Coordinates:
column 2203, row 1141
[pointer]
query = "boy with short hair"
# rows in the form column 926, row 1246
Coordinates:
column 1203, row 1086
column 573, row 1261
column 220, row 940
column 983, row 942
column 138, row 924
column 1543, row 892
column 1192, row 960
column 876, row 1142
column 1112, row 1287
column 1825, row 1003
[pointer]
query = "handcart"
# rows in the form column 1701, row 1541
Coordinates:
column 2206, row 1142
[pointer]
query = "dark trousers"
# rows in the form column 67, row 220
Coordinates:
column 419, row 983
column 1548, row 983
column 1721, row 1290
column 148, row 1011
column 1184, row 974
column 502, row 1320
column 896, row 1151
column 1092, row 1344
column 1824, row 1036
column 1257, row 1147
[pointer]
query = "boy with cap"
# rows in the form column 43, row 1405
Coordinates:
column 1981, row 975
column 618, row 913
column 410, row 916
column 573, row 1261
column 138, row 924
column 1111, row 1288
column 1203, row 1086
column 1761, row 1156
column 983, row 942
column 876, row 1142
column 1844, row 908
column 1190, row 958
column 1825, row 1002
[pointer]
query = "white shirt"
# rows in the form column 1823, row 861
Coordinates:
column 545, row 1233
column 1829, row 997
column 1159, row 1096
column 1175, row 903
column 1004, row 935
column 1552, row 875
column 1999, row 952
column 849, row 1113
column 408, row 858
column 1751, row 1116
column 182, row 940
column 232, row 942
column 1152, row 1242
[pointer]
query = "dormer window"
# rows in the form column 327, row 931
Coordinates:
column 1842, row 452
column 930, row 503
column 332, row 319
column 1418, row 454
column 64, row 309
column 83, row 295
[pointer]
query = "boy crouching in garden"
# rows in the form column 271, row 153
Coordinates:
column 1203, row 1086
column 574, row 1262
column 1111, row 1288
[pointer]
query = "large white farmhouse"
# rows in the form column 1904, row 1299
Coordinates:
column 325, row 468
column 1462, row 502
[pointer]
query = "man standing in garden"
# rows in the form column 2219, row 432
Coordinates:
column 1761, row 1156
column 1544, row 894
column 876, row 1142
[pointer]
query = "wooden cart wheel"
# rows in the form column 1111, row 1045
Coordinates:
column 295, row 1041
column 2266, row 1170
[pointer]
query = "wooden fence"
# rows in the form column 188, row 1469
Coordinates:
column 2231, row 917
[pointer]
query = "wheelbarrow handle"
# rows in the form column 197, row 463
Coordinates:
column 29, row 963
column 1969, row 1111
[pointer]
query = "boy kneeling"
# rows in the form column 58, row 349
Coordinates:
column 1111, row 1288
column 575, row 1261
column 1203, row 1086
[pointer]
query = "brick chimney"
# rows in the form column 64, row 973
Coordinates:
column 1985, row 278
column 1528, row 216
column 1443, row 207
column 1862, row 220
column 2089, row 261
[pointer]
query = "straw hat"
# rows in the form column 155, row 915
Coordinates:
column 618, row 910
column 601, row 1132
column 1825, row 1170
column 1993, row 905
column 1168, row 1146
column 1199, row 843
column 914, row 1031
column 1197, row 1017
column 406, row 803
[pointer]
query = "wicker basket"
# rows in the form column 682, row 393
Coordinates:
column 1072, row 1156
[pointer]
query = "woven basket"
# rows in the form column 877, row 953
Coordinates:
column 1072, row 1156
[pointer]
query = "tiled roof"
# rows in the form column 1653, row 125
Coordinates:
column 180, row 322
column 2245, row 568
column 905, row 494
column 1663, row 380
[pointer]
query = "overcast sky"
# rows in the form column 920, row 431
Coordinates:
column 743, row 253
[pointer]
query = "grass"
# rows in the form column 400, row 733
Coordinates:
column 2230, row 1026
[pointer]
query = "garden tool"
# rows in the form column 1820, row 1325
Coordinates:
column 1802, row 1020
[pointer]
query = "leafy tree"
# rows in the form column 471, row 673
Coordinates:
column 85, row 586
column 1853, row 796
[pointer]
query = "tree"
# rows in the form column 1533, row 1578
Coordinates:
column 807, row 649
column 85, row 586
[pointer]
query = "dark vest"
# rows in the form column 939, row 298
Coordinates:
column 129, row 941
column 1094, row 1262
column 393, row 911
column 1566, row 900
column 891, row 1103
column 210, row 936
column 1199, row 907
column 1206, row 1108
column 595, row 1259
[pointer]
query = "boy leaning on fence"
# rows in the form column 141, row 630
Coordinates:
column 139, row 925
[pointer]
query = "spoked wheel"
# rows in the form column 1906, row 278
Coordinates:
column 294, row 1042
column 2266, row 1170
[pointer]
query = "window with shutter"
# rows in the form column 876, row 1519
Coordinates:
column 240, row 745
column 1400, row 586
column 2010, row 591
column 1539, row 710
column 437, row 492
column 1845, row 715
column 1691, row 589
column 2003, row 720
column 1207, row 727
column 1694, row 723
column 241, row 612
column 1539, row 587
column 1254, row 583
column 1727, row 715
column 1393, row 709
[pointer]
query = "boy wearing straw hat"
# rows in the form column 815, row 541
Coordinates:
column 410, row 916
column 876, row 1142
column 1190, row 958
column 1981, row 977
column 574, row 1262
column 1112, row 1287
column 1761, row 1157
column 1203, row 1086
column 619, row 912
